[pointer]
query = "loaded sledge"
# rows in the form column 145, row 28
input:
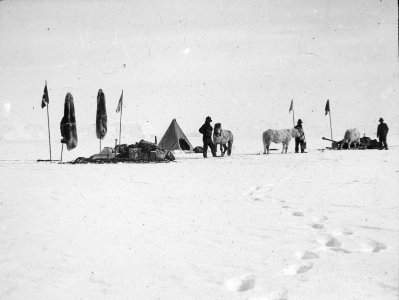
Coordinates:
column 141, row 152
column 365, row 143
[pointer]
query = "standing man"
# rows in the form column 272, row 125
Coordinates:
column 382, row 132
column 301, row 139
column 206, row 131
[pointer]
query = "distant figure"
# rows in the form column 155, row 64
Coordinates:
column 278, row 136
column 352, row 136
column 224, row 138
column 206, row 131
column 382, row 132
column 301, row 139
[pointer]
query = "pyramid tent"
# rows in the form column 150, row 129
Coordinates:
column 175, row 139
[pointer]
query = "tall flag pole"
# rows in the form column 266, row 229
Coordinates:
column 293, row 113
column 45, row 102
column 119, row 109
column 328, row 111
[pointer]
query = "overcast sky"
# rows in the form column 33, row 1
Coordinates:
column 241, row 62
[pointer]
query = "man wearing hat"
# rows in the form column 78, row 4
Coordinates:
column 382, row 132
column 206, row 131
column 301, row 139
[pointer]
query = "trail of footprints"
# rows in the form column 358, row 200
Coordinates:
column 339, row 240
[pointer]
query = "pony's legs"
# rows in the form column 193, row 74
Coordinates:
column 264, row 147
column 285, row 147
column 230, row 146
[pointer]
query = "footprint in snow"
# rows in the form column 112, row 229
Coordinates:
column 373, row 246
column 317, row 226
column 297, row 214
column 240, row 284
column 307, row 255
column 297, row 268
column 333, row 243
column 317, row 222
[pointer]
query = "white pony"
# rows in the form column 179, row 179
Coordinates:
column 351, row 136
column 278, row 136
column 224, row 138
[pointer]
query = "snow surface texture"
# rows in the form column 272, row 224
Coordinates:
column 321, row 225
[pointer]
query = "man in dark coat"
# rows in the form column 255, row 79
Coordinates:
column 206, row 131
column 301, row 139
column 382, row 132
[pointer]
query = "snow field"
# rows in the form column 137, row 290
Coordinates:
column 320, row 225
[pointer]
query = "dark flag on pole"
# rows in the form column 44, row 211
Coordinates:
column 327, row 107
column 101, row 116
column 119, row 109
column 68, row 124
column 45, row 99
column 328, row 111
column 45, row 102
column 120, row 103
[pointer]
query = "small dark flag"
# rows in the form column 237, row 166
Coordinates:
column 120, row 103
column 45, row 99
column 291, row 106
column 327, row 107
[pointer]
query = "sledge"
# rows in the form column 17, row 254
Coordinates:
column 365, row 143
column 141, row 152
column 47, row 160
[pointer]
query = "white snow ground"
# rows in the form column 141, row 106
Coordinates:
column 322, row 225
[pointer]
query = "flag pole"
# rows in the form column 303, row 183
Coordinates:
column 62, row 149
column 293, row 112
column 293, row 116
column 48, row 126
column 120, row 123
column 329, row 114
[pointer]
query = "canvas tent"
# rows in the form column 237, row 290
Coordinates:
column 175, row 139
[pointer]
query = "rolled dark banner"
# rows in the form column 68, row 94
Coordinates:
column 68, row 124
column 101, row 117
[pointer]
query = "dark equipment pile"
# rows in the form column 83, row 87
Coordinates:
column 141, row 152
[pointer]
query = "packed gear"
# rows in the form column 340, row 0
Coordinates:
column 141, row 152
